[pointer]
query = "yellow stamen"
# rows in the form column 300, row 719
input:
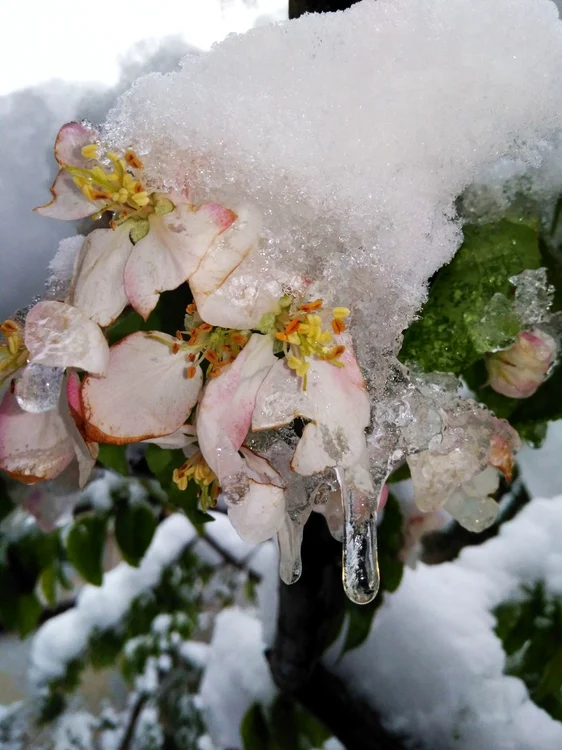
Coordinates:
column 90, row 151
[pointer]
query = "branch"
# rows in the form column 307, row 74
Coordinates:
column 133, row 718
column 299, row 7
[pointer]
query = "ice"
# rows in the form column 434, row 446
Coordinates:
column 354, row 134
column 38, row 387
column 61, row 267
column 533, row 297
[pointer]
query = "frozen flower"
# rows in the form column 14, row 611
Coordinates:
column 517, row 372
column 170, row 236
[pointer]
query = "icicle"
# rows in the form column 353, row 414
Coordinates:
column 38, row 388
column 289, row 538
column 360, row 564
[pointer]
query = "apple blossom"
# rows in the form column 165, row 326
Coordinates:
column 517, row 372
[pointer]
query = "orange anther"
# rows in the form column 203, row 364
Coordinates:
column 191, row 372
column 239, row 339
column 310, row 306
column 292, row 326
column 281, row 336
column 193, row 339
column 191, row 309
column 133, row 160
column 338, row 326
column 205, row 328
column 211, row 356
column 175, row 348
column 336, row 352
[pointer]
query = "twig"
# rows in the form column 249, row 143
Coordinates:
column 133, row 718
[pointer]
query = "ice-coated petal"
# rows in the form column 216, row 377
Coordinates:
column 471, row 505
column 262, row 512
column 33, row 447
column 171, row 251
column 97, row 286
column 68, row 201
column 223, row 296
column 59, row 335
column 145, row 394
column 224, row 415
column 38, row 387
column 70, row 141
column 517, row 372
column 336, row 402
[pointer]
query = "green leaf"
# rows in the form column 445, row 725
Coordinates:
column 114, row 457
column 7, row 505
column 28, row 611
column 444, row 337
column 48, row 584
column 283, row 725
column 400, row 474
column 359, row 621
column 158, row 459
column 135, row 525
column 253, row 729
column 551, row 681
column 85, row 545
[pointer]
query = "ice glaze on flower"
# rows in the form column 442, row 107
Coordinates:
column 517, row 372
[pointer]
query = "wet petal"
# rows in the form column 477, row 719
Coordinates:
column 97, row 287
column 172, row 251
column 60, row 335
column 68, row 201
column 145, row 394
column 225, row 412
column 33, row 447
column 181, row 438
column 70, row 141
column 262, row 512
column 336, row 402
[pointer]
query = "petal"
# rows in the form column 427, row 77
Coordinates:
column 145, row 394
column 336, row 402
column 97, row 287
column 33, row 447
column 225, row 412
column 240, row 305
column 68, row 201
column 38, row 387
column 262, row 513
column 471, row 505
column 76, row 411
column 181, row 438
column 70, row 141
column 60, row 335
column 172, row 251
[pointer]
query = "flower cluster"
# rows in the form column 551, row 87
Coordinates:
column 251, row 356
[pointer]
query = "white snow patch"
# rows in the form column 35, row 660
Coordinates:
column 432, row 664
column 237, row 675
column 64, row 637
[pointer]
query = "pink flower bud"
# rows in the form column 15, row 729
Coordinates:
column 518, row 371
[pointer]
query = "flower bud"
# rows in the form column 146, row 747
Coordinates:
column 518, row 371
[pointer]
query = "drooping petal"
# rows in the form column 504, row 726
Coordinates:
column 171, row 251
column 86, row 450
column 225, row 414
column 145, row 394
column 33, row 447
column 59, row 335
column 336, row 402
column 97, row 287
column 262, row 512
column 38, row 387
column 68, row 201
column 70, row 141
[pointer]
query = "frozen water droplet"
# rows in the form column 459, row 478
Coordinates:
column 289, row 538
column 38, row 388
column 360, row 565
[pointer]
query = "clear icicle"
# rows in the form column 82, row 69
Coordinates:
column 360, row 564
column 38, row 388
column 289, row 538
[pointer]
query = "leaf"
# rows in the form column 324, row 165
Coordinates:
column 283, row 725
column 158, row 459
column 7, row 505
column 400, row 474
column 85, row 545
column 551, row 681
column 28, row 611
column 48, row 584
column 359, row 621
column 441, row 339
column 135, row 525
column 114, row 457
column 253, row 729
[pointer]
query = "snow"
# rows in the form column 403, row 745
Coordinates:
column 432, row 664
column 354, row 133
column 64, row 637
column 540, row 468
column 237, row 675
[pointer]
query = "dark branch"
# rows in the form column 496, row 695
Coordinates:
column 299, row 7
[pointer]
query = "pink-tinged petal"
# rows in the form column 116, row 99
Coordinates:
column 171, row 251
column 225, row 412
column 517, row 372
column 145, row 394
column 181, row 438
column 70, row 141
column 68, row 201
column 97, row 287
column 262, row 512
column 33, row 447
column 85, row 452
column 234, row 307
column 59, row 335
column 336, row 402
column 86, row 458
